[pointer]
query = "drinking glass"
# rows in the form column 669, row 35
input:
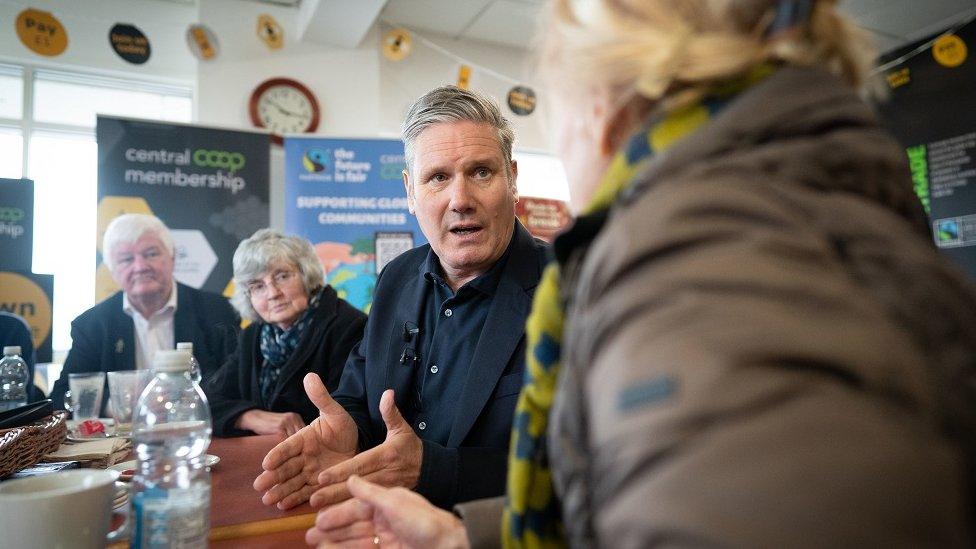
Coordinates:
column 86, row 394
column 124, row 389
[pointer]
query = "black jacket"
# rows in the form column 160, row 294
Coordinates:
column 336, row 326
column 103, row 337
column 474, row 463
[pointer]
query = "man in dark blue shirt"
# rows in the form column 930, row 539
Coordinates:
column 426, row 399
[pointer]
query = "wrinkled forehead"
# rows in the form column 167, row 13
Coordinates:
column 457, row 143
column 147, row 241
column 276, row 265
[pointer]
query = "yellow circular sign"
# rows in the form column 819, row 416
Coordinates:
column 21, row 296
column 41, row 32
column 270, row 32
column 949, row 50
column 397, row 44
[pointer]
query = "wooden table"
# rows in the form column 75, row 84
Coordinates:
column 237, row 517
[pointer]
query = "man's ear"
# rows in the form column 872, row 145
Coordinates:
column 411, row 202
column 514, row 182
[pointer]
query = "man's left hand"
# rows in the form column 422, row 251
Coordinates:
column 395, row 462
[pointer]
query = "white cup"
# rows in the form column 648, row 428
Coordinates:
column 66, row 509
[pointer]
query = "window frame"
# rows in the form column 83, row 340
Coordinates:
column 27, row 126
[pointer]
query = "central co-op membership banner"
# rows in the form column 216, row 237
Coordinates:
column 209, row 186
column 346, row 196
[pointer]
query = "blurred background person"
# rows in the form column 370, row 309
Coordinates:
column 299, row 326
column 151, row 312
column 14, row 331
column 748, row 338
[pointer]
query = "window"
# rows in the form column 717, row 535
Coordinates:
column 47, row 134
column 12, row 156
column 67, row 99
column 541, row 176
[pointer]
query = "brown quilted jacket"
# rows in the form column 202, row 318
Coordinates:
column 764, row 348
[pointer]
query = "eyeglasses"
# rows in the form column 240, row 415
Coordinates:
column 260, row 288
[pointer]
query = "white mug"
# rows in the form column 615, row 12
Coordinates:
column 66, row 509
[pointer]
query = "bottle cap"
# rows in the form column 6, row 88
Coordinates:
column 11, row 350
column 188, row 345
column 171, row 361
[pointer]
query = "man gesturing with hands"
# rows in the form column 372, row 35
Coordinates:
column 323, row 454
column 426, row 399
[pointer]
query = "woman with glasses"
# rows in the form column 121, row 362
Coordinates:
column 299, row 325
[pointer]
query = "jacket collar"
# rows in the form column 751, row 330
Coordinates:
column 504, row 328
column 322, row 316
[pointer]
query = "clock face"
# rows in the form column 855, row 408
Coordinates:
column 285, row 109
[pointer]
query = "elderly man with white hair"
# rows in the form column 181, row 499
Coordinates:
column 151, row 312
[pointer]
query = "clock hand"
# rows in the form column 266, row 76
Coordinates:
column 282, row 109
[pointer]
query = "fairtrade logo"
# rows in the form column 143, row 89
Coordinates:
column 11, row 214
column 948, row 231
column 315, row 160
column 231, row 161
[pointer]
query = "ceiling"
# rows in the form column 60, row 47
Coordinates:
column 512, row 22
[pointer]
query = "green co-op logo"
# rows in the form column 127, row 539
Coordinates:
column 9, row 214
column 230, row 161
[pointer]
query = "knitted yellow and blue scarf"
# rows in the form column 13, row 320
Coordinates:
column 532, row 516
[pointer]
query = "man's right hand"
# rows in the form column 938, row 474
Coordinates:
column 291, row 468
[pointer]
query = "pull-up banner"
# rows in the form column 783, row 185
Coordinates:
column 30, row 296
column 209, row 186
column 346, row 196
column 932, row 111
column 16, row 224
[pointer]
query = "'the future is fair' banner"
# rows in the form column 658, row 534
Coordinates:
column 209, row 186
column 346, row 196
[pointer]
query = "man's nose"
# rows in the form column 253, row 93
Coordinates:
column 462, row 200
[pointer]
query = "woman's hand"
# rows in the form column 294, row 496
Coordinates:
column 386, row 517
column 263, row 422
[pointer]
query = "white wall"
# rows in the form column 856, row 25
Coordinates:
column 88, row 23
column 361, row 93
column 404, row 81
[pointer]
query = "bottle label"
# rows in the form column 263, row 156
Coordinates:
column 175, row 517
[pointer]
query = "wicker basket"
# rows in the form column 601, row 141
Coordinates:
column 22, row 447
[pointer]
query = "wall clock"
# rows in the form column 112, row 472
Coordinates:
column 283, row 105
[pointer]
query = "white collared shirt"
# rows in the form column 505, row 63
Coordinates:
column 154, row 333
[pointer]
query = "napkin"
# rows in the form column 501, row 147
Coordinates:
column 100, row 453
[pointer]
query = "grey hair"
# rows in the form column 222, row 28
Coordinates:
column 128, row 228
column 255, row 254
column 453, row 104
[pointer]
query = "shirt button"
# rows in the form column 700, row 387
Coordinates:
column 433, row 369
column 448, row 312
column 422, row 425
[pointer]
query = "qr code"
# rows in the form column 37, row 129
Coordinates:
column 389, row 245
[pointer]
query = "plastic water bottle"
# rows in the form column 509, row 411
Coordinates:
column 171, row 432
column 14, row 377
column 194, row 365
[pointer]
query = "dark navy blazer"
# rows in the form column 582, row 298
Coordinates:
column 103, row 337
column 474, row 462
